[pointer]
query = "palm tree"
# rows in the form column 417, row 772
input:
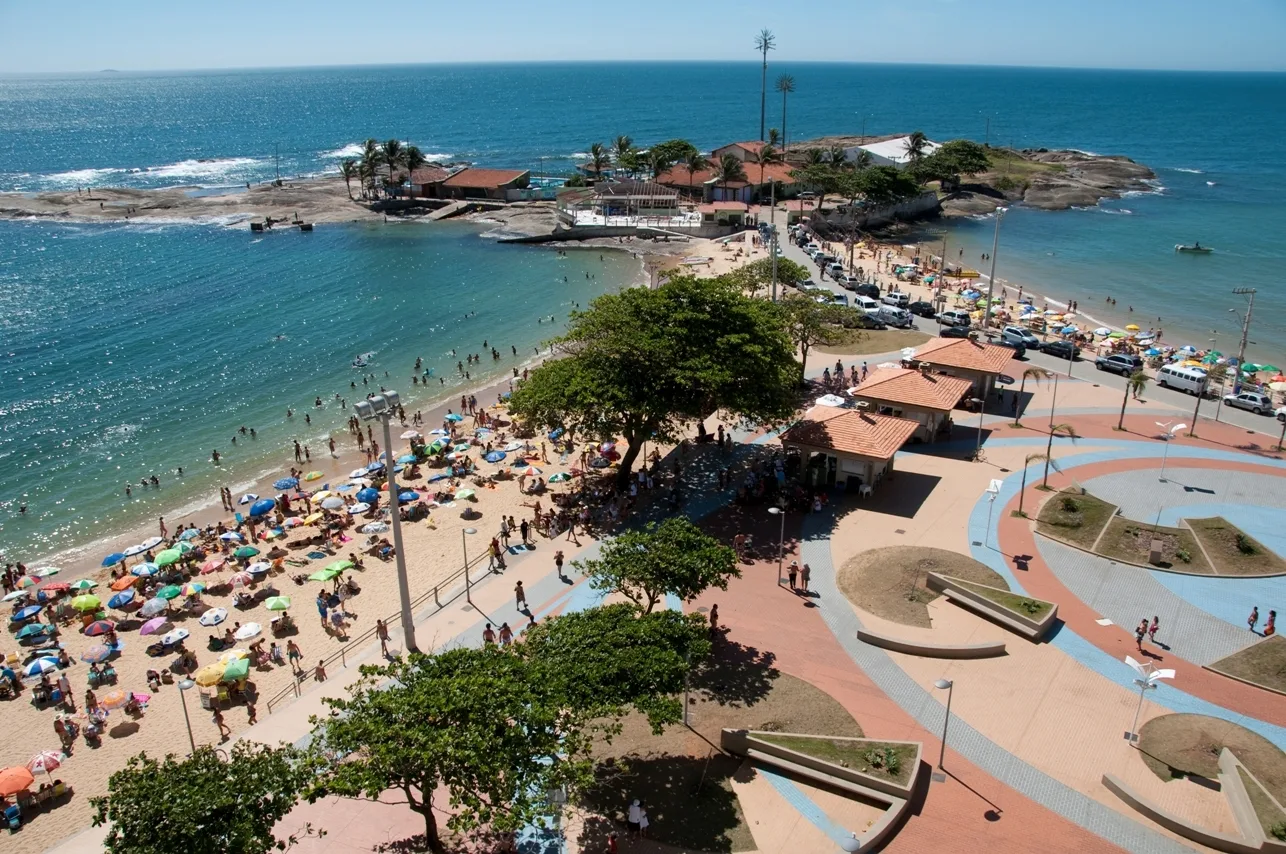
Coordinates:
column 785, row 85
column 412, row 159
column 1032, row 458
column 814, row 157
column 861, row 160
column 1134, row 385
column 622, row 148
column 764, row 42
column 1035, row 374
column 774, row 137
column 915, row 145
column 767, row 155
column 729, row 169
column 348, row 169
column 372, row 157
column 1056, row 430
column 598, row 159
column 366, row 170
column 695, row 163
column 657, row 163
column 393, row 155
column 836, row 157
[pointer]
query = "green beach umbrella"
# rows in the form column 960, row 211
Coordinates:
column 84, row 585
column 277, row 603
column 1117, row 335
column 561, row 477
column 246, row 551
column 86, row 602
column 325, row 574
column 340, row 565
column 1270, row 369
column 168, row 557
column 437, row 445
column 182, row 547
column 1250, row 369
column 170, row 591
column 237, row 669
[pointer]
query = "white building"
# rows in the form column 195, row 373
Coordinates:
column 890, row 152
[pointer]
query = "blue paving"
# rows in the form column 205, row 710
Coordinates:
column 805, row 806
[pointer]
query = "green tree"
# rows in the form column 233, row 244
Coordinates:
column 1135, row 383
column 916, row 144
column 774, row 137
column 642, row 362
column 625, row 154
column 202, row 804
column 348, row 170
column 785, row 85
column 883, row 185
column 728, row 170
column 1066, row 430
column 694, row 163
column 478, row 723
column 393, row 156
column 673, row 557
column 836, row 158
column 764, row 42
column 674, row 150
column 814, row 157
column 756, row 275
column 412, row 159
column 372, row 157
column 1032, row 458
column 809, row 323
column 575, row 181
column 952, row 160
column 604, row 660
column 599, row 159
column 656, row 163
column 1034, row 374
column 767, row 154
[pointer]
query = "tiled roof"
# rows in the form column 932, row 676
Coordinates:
column 423, row 175
column 634, row 188
column 484, row 177
column 850, row 431
column 913, row 388
column 677, row 176
column 964, row 353
column 753, row 147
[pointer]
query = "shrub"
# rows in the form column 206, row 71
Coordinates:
column 1184, row 555
column 891, row 760
column 1029, row 606
column 1278, row 830
column 1245, row 545
column 1070, row 505
column 1006, row 183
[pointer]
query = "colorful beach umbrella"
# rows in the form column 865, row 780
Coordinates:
column 313, row 475
column 193, row 588
column 97, row 654
column 241, row 579
column 32, row 629
column 99, row 627
column 86, row 602
column 169, row 591
column 209, row 675
column 45, row 571
column 277, row 603
column 238, row 669
column 153, row 626
column 561, row 477
column 26, row 581
column 46, row 761
column 168, row 557
column 114, row 699
column 120, row 600
column 84, row 585
column 213, row 617
column 15, row 780
column 39, row 667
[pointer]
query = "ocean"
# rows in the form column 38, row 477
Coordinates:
column 133, row 349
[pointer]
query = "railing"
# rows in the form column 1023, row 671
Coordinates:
column 295, row 690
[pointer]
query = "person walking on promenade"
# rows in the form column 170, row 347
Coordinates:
column 488, row 635
column 1270, row 627
column 493, row 552
column 805, row 573
column 520, row 597
column 504, row 530
column 1152, row 629
column 792, row 573
column 381, row 632
column 558, row 562
column 506, row 634
column 525, row 529
column 1254, row 618
column 1140, row 632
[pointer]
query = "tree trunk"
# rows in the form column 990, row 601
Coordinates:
column 1018, row 413
column 784, row 138
column 1049, row 455
column 627, row 464
column 1021, row 490
column 431, row 837
column 1120, row 422
column 803, row 364
column 763, row 95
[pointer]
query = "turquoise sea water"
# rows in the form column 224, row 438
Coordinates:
column 115, row 337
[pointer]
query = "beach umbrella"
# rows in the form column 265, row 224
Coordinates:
column 462, row 447
column 15, row 780
column 407, row 497
column 1249, row 369
column 1102, row 330
column 454, row 417
column 341, row 564
column 1069, row 330
column 1117, row 335
column 134, row 550
column 1133, row 327
column 120, row 600
column 494, row 456
column 438, row 432
column 313, row 475
column 247, row 631
column 325, row 574
column 375, row 528
column 438, row 477
column 169, row 591
column 312, row 517
column 83, row 585
column 246, row 552
column 114, row 699
column 14, row 594
column 368, row 495
column 407, row 458
column 1270, row 369
column 26, row 581
column 86, row 602
column 259, row 508
column 242, row 579
column 359, row 507
column 240, row 668
column 154, row 625
column 561, row 477
column 99, row 627
column 209, row 675
column 1279, row 385
column 40, row 666
column 293, row 522
column 154, row 606
column 232, row 537
column 318, row 497
column 113, row 559
column 348, row 487
column 183, row 547
column 375, row 467
column 176, row 636
column 437, row 446
column 168, row 557
column 258, row 566
column 24, row 614
column 247, row 498
column 189, row 534
column 44, row 595
column 532, row 471
column 47, row 761
column 358, row 473
column 97, row 654
column 332, row 503
column 151, row 543
column 145, row 570
column 514, row 446
column 212, row 565
column 31, row 630
column 285, row 483
column 125, row 582
column 213, row 617
column 45, row 571
column 411, row 434
column 233, row 655
column 277, row 603
column 465, row 494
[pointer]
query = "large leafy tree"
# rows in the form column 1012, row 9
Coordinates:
column 756, row 275
column 203, row 804
column 604, row 660
column 641, row 363
column 479, row 723
column 673, row 557
column 673, row 151
column 882, row 185
column 810, row 323
column 952, row 160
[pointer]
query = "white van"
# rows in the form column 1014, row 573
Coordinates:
column 899, row 318
column 1191, row 380
column 866, row 304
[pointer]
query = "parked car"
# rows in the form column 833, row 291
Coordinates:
column 899, row 318
column 896, row 298
column 868, row 289
column 1281, row 414
column 1119, row 363
column 1191, row 380
column 836, row 270
column 954, row 317
column 1022, row 334
column 1020, row 349
column 1253, row 401
column 847, row 281
column 1061, row 349
column 806, row 285
column 867, row 305
column 866, row 321
column 950, row 330
column 839, row 299
column 921, row 308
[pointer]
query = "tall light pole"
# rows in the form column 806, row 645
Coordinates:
column 991, row 282
column 1147, row 681
column 184, row 686
column 464, row 546
column 772, row 241
column 1169, row 437
column 781, row 540
column 982, row 410
column 944, row 685
column 1245, row 332
column 1053, row 402
column 381, row 408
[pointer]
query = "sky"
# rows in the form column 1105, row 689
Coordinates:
column 148, row 35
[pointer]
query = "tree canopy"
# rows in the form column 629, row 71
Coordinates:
column 673, row 557
column 603, row 660
column 881, row 185
column 641, row 363
column 202, row 804
column 951, row 160
column 672, row 151
column 809, row 323
column 757, row 275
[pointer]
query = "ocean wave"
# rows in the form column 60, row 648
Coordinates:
column 1189, row 171
column 353, row 149
column 87, row 177
column 1210, row 183
column 210, row 168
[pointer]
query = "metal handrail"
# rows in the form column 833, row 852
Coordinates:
column 294, row 689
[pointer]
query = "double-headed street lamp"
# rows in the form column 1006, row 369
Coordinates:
column 382, row 408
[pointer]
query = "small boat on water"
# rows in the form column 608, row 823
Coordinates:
column 1194, row 249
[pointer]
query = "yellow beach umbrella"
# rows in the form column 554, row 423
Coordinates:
column 311, row 518
column 1133, row 327
column 233, row 655
column 321, row 496
column 209, row 675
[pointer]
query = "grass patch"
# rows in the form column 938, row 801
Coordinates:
column 1132, row 542
column 1271, row 818
column 858, row 342
column 1024, row 606
column 884, row 760
column 889, row 582
column 1263, row 663
column 1006, row 161
column 1074, row 517
column 1173, row 746
column 1232, row 551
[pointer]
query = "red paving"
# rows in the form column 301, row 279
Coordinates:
column 955, row 814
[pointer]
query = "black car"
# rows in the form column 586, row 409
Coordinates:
column 865, row 321
column 1061, row 349
column 921, row 308
column 868, row 289
column 1020, row 349
column 948, row 330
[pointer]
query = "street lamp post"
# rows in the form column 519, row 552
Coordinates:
column 1245, row 333
column 977, row 451
column 944, row 685
column 381, row 408
column 1169, row 437
column 991, row 282
column 781, row 540
column 1147, row 681
column 464, row 546
column 184, row 686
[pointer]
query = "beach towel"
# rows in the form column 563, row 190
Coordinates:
column 317, row 555
column 519, row 549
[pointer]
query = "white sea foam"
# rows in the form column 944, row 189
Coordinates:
column 1189, row 171
column 353, row 149
column 213, row 168
column 1210, row 183
column 85, row 177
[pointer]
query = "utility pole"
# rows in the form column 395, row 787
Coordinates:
column 772, row 240
column 991, row 282
column 1245, row 333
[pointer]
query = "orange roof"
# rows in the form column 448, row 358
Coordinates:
column 964, row 353
column 753, row 147
column 677, row 176
column 484, row 177
column 849, row 431
column 913, row 388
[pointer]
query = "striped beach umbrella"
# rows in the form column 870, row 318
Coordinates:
column 47, row 761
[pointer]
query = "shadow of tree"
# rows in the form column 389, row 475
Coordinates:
column 736, row 674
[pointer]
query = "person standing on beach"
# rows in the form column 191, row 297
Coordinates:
column 520, row 597
column 381, row 632
column 224, row 732
column 322, row 606
column 293, row 655
column 165, row 534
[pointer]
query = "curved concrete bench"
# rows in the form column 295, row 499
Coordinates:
column 932, row 650
column 1017, row 623
column 1233, row 844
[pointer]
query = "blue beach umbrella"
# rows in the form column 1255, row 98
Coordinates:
column 189, row 534
column 113, row 559
column 374, row 467
column 120, row 600
column 494, row 456
column 438, row 477
column 40, row 666
column 368, row 495
column 455, row 417
column 1152, row 351
column 555, row 435
column 407, row 458
column 1068, row 330
column 33, row 629
column 259, row 508
column 145, row 570
column 408, row 496
column 348, row 487
column 285, row 483
column 26, row 613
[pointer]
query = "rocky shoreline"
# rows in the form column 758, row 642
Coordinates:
column 1052, row 180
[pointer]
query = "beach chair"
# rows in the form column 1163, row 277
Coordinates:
column 13, row 817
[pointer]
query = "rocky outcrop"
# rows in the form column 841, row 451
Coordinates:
column 1082, row 180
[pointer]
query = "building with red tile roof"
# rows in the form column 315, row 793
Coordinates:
column 919, row 394
column 850, row 446
column 753, row 189
column 976, row 361
column 744, row 151
column 474, row 183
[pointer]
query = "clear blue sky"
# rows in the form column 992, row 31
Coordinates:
column 90, row 35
